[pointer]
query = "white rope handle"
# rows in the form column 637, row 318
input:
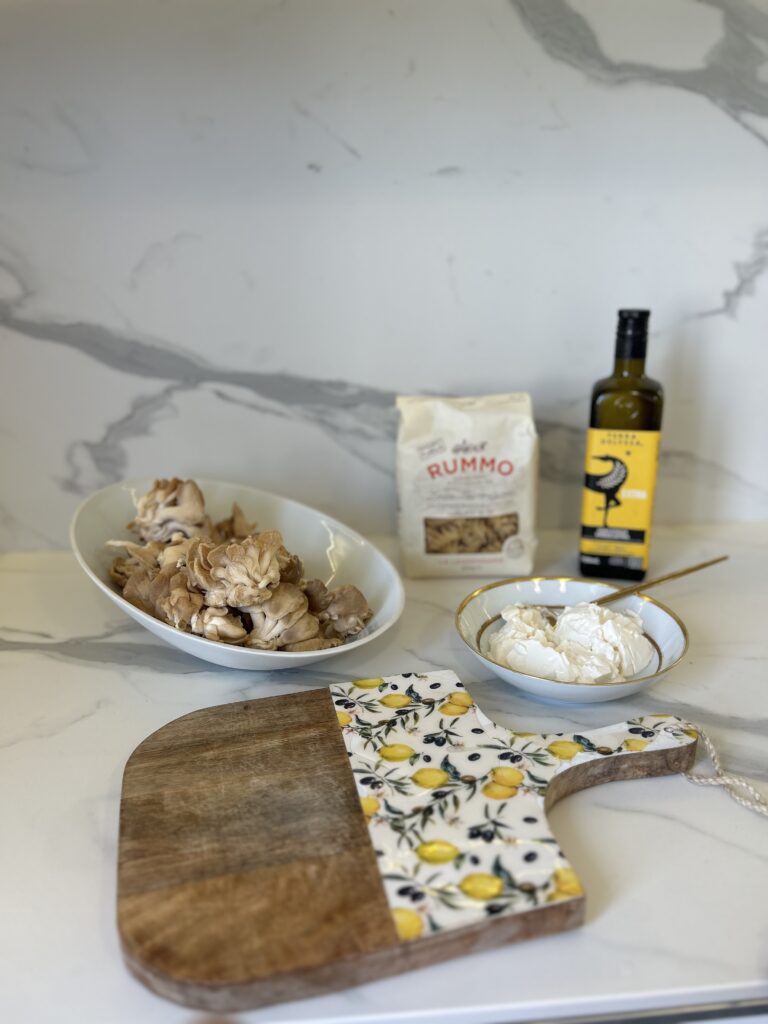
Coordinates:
column 738, row 789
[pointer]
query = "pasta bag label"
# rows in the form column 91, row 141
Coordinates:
column 466, row 483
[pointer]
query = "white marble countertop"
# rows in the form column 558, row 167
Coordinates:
column 675, row 874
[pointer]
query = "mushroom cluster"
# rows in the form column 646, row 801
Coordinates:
column 227, row 581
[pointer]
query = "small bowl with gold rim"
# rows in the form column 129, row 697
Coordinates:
column 479, row 615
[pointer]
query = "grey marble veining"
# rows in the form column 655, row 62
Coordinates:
column 730, row 78
column 61, row 146
column 83, row 685
column 229, row 238
column 743, row 849
column 39, row 731
column 748, row 273
column 348, row 412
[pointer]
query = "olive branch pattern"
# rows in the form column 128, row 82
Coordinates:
column 455, row 802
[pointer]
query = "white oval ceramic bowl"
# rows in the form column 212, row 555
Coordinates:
column 483, row 606
column 330, row 551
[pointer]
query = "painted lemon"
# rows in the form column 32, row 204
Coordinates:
column 567, row 885
column 396, row 752
column 524, row 734
column 507, row 776
column 496, row 792
column 693, row 733
column 343, row 717
column 368, row 684
column 438, row 851
column 395, row 700
column 481, row 886
column 452, row 710
column 461, row 698
column 430, row 778
column 565, row 750
column 370, row 805
column 408, row 924
column 635, row 744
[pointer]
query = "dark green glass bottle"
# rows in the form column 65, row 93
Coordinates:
column 621, row 459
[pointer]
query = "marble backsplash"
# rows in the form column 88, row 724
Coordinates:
column 231, row 232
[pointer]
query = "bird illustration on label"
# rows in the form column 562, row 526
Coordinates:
column 608, row 484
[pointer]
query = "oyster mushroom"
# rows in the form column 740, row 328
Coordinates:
column 181, row 604
column 138, row 589
column 165, row 594
column 291, row 567
column 234, row 527
column 219, row 624
column 342, row 612
column 225, row 581
column 317, row 643
column 305, row 628
column 318, row 596
column 347, row 611
column 241, row 573
column 170, row 506
column 120, row 571
column 271, row 619
column 201, row 571
column 174, row 553
column 139, row 557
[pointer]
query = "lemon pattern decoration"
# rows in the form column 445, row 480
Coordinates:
column 395, row 700
column 437, row 852
column 430, row 778
column 455, row 803
column 396, row 752
column 567, row 885
column 370, row 805
column 408, row 923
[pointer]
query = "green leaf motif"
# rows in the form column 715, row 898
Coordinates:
column 501, row 872
column 453, row 772
column 587, row 744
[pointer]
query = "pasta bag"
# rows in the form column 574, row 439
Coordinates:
column 466, row 483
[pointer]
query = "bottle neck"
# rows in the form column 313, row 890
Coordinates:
column 628, row 366
column 631, row 346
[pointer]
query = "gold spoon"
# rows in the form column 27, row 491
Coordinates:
column 616, row 595
column 550, row 610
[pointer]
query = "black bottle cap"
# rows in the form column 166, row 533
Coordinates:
column 632, row 333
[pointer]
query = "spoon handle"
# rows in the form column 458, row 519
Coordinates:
column 616, row 595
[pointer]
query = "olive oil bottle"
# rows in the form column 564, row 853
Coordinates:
column 621, row 459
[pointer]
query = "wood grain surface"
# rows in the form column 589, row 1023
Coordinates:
column 246, row 875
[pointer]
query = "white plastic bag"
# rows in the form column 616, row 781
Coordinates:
column 466, row 481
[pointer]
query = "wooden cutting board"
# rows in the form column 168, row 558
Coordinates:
column 281, row 848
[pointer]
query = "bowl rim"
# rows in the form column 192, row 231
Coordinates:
column 219, row 644
column 466, row 601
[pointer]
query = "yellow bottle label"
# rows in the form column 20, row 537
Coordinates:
column 617, row 503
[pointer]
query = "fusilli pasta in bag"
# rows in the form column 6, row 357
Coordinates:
column 466, row 482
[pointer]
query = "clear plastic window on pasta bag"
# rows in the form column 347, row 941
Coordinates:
column 467, row 473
